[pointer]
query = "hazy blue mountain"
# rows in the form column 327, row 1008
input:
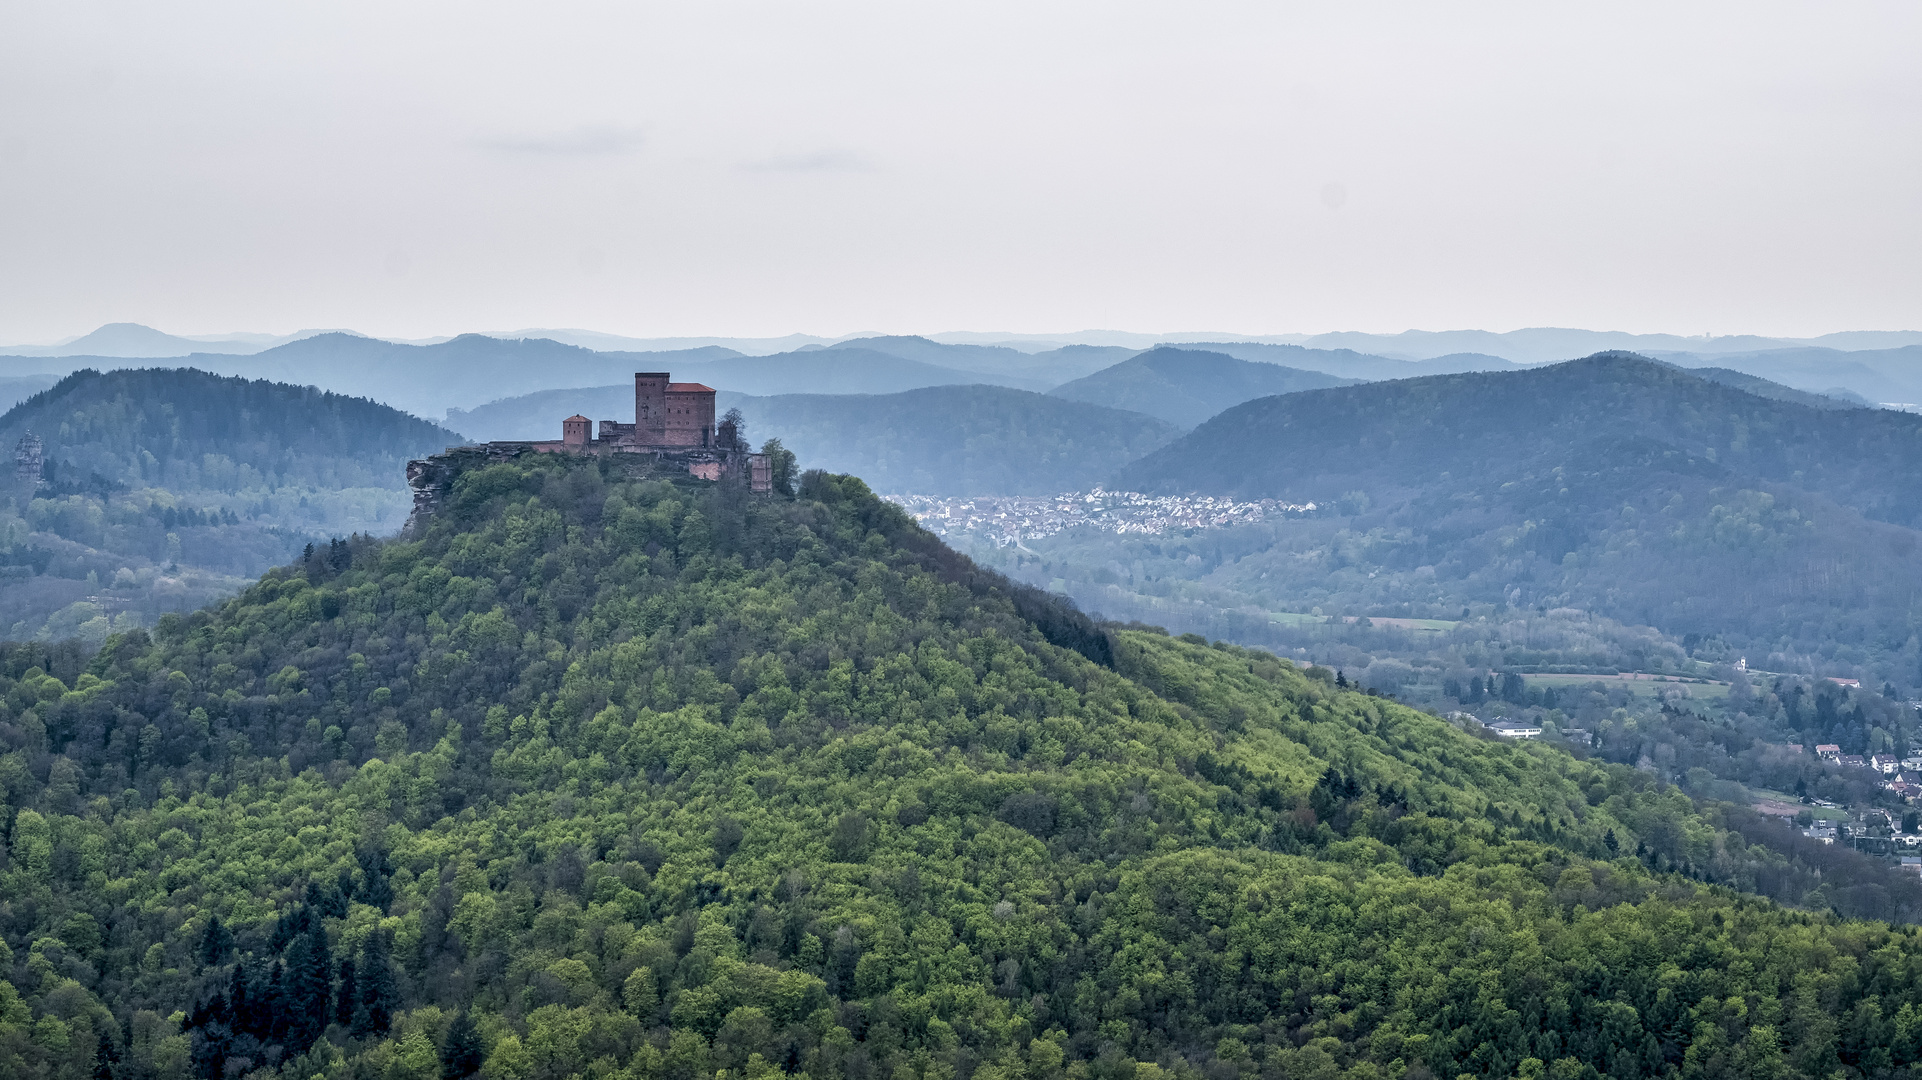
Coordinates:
column 1538, row 345
column 427, row 380
column 1349, row 364
column 1613, row 483
column 538, row 415
column 165, row 489
column 1071, row 362
column 1448, row 429
column 985, row 359
column 955, row 440
column 130, row 340
column 814, row 371
column 1851, row 340
column 1755, row 384
column 1535, row 345
column 945, row 440
column 474, row 369
column 849, row 370
column 604, row 342
column 15, row 389
column 1186, row 386
column 1879, row 375
column 1032, row 369
column 188, row 430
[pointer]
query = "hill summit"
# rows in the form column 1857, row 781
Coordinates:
column 644, row 777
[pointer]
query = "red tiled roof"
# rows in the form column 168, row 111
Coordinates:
column 577, row 416
column 688, row 388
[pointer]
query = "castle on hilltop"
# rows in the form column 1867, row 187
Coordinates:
column 667, row 416
column 674, row 427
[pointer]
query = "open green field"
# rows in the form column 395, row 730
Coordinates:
column 1295, row 618
column 1639, row 683
column 1821, row 813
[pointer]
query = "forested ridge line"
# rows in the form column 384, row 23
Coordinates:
column 619, row 778
column 184, row 429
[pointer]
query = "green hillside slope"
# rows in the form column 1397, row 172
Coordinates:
column 1186, row 386
column 636, row 779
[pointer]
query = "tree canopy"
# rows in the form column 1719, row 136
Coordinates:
column 615, row 777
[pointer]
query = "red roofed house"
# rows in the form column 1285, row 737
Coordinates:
column 1828, row 751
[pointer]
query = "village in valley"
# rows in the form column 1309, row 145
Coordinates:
column 1006, row 520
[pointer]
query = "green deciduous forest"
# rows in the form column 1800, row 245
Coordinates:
column 607, row 776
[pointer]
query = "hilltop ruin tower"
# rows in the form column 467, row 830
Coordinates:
column 673, row 428
column 672, row 413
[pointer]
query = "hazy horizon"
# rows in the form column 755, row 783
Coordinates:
column 752, row 169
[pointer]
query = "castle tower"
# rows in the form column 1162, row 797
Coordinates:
column 650, row 408
column 690, row 415
column 574, row 433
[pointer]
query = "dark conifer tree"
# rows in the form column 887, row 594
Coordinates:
column 461, row 1053
column 216, row 943
column 375, row 889
column 106, row 1061
column 374, row 1012
column 270, row 999
column 307, row 988
column 348, row 995
column 212, row 1024
column 245, row 1011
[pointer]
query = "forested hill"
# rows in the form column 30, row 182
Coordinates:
column 957, row 440
column 1612, row 483
column 650, row 780
column 1417, row 432
column 188, row 430
column 1187, row 386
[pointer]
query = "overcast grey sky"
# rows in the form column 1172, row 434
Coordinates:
column 762, row 168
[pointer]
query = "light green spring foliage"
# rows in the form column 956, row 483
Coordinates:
column 655, row 782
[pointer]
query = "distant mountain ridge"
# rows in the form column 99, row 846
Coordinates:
column 162, row 488
column 1882, row 376
column 159, row 428
column 466, row 372
column 956, row 440
column 1416, row 431
column 1187, row 386
column 134, row 341
column 935, row 440
column 1615, row 483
